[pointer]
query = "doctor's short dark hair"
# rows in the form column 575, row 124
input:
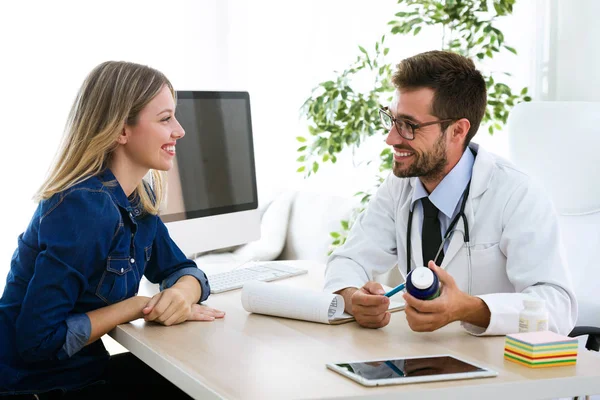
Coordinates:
column 460, row 90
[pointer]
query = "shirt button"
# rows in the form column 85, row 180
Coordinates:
column 131, row 215
column 122, row 270
column 132, row 260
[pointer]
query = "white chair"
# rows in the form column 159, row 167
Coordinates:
column 558, row 144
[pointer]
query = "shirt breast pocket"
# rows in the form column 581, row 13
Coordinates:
column 489, row 269
column 116, row 279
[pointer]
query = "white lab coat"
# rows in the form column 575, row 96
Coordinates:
column 516, row 249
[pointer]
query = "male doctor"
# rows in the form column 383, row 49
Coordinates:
column 504, row 246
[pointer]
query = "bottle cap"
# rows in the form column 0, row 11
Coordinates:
column 422, row 278
column 533, row 303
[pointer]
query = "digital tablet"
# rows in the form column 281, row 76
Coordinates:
column 398, row 371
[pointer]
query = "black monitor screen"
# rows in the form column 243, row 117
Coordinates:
column 213, row 172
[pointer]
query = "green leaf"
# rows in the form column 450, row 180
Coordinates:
column 498, row 8
column 511, row 49
column 524, row 91
column 313, row 131
column 315, row 166
column 328, row 85
column 334, row 234
column 301, row 139
column 527, row 98
column 301, row 159
column 417, row 30
column 362, row 49
column 344, row 224
column 301, row 148
column 301, row 169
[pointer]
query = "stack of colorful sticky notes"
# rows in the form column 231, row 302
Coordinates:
column 541, row 349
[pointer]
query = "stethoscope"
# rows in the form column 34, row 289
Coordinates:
column 449, row 232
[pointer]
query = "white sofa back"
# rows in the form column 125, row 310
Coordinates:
column 312, row 217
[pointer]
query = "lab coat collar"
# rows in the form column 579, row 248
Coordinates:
column 483, row 171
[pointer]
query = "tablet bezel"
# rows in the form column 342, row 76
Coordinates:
column 486, row 373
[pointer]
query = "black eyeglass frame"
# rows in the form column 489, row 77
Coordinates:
column 384, row 111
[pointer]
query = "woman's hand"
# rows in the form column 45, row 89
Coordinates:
column 204, row 313
column 171, row 307
column 168, row 307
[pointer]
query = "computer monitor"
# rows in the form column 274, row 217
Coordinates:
column 211, row 198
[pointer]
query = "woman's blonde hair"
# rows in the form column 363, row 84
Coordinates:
column 113, row 94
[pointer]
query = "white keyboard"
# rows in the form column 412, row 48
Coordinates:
column 236, row 278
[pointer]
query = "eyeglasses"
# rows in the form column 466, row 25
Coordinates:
column 405, row 128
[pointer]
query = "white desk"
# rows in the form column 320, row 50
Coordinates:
column 250, row 356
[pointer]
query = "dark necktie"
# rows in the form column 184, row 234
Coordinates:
column 431, row 232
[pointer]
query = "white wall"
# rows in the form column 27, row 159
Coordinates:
column 573, row 54
column 291, row 54
column 277, row 50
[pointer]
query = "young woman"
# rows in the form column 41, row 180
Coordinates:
column 78, row 265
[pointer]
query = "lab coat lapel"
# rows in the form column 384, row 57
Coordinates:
column 456, row 242
column 480, row 180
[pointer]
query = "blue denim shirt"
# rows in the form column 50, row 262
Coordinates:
column 85, row 248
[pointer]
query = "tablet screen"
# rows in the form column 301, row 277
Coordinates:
column 409, row 367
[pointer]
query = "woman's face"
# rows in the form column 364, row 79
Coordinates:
column 151, row 141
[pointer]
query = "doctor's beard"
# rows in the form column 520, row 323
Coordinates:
column 429, row 165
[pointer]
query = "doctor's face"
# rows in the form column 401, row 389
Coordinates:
column 425, row 155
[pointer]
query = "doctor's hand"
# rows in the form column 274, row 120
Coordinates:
column 368, row 305
column 452, row 305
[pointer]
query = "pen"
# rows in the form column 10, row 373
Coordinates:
column 395, row 290
column 394, row 368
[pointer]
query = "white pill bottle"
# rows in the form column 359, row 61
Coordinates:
column 534, row 316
